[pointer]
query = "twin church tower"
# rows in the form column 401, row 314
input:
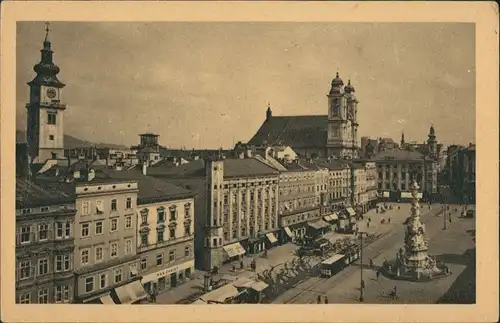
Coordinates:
column 343, row 124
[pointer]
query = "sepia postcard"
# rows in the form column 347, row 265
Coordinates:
column 249, row 161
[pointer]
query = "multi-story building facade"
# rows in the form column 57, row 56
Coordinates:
column 321, row 179
column 242, row 209
column 165, row 234
column 371, row 185
column 338, row 183
column 105, row 242
column 298, row 204
column 44, row 242
column 358, row 191
column 397, row 168
column 462, row 173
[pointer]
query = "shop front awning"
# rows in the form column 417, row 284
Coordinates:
column 131, row 293
column 271, row 237
column 405, row 195
column 107, row 300
column 221, row 294
column 334, row 216
column 199, row 302
column 259, row 286
column 234, row 250
column 385, row 194
column 351, row 211
column 327, row 218
column 288, row 232
column 319, row 224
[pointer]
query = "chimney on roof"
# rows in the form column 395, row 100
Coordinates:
column 144, row 169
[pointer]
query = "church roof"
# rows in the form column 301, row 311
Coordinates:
column 294, row 131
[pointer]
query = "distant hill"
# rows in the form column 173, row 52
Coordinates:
column 72, row 142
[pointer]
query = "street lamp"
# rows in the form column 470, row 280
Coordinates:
column 361, row 284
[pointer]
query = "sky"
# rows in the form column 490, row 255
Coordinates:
column 208, row 84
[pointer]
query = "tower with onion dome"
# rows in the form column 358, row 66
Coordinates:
column 45, row 135
column 342, row 120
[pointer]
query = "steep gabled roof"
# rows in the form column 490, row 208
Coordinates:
column 293, row 131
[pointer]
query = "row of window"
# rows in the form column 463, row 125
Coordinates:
column 236, row 185
column 297, row 177
column 99, row 226
column 61, row 295
column 160, row 234
column 161, row 214
column 99, row 206
column 243, row 231
column 62, row 263
column 43, row 232
column 102, row 279
column 296, row 189
column 99, row 252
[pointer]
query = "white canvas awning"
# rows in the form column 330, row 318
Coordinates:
column 130, row 293
column 385, row 194
column 106, row 300
column 234, row 250
column 319, row 224
column 271, row 237
column 288, row 232
column 351, row 211
column 327, row 218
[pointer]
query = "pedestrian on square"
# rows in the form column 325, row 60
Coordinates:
column 242, row 265
column 378, row 274
column 326, row 300
column 363, row 284
column 371, row 263
column 389, row 220
column 318, row 299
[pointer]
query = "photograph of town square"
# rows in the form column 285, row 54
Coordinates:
column 244, row 162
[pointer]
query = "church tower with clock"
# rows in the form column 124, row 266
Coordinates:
column 342, row 139
column 45, row 136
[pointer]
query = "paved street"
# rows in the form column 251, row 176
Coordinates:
column 298, row 285
column 449, row 245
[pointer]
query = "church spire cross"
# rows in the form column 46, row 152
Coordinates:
column 47, row 29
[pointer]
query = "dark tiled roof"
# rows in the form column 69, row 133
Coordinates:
column 43, row 193
column 331, row 164
column 247, row 167
column 398, row 155
column 150, row 189
column 294, row 167
column 196, row 168
column 293, row 131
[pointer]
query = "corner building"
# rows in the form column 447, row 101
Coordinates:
column 45, row 215
column 242, row 204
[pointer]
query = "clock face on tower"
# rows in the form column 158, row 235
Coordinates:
column 51, row 93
